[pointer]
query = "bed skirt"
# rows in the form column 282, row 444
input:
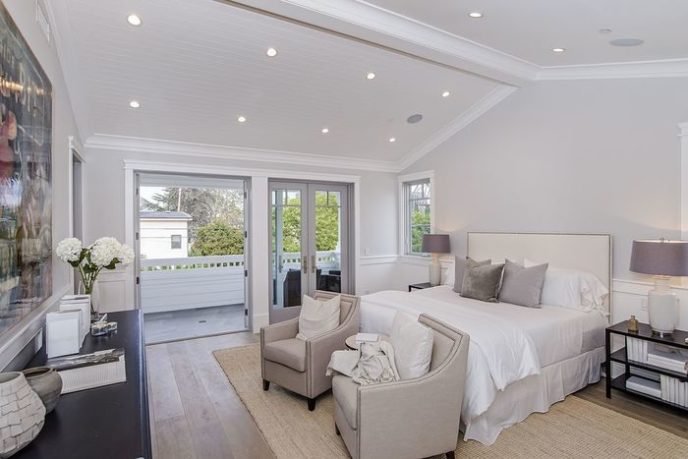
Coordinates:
column 535, row 394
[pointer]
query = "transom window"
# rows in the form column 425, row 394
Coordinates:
column 417, row 219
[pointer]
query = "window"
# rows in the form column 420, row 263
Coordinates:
column 176, row 241
column 417, row 216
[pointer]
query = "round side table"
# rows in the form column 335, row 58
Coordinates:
column 352, row 344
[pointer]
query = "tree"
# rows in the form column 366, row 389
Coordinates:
column 420, row 225
column 326, row 223
column 218, row 238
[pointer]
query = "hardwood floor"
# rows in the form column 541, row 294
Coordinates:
column 194, row 411
column 639, row 408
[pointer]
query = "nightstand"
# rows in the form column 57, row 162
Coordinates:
column 666, row 376
column 419, row 286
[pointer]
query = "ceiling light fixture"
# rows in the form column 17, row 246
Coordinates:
column 475, row 14
column 134, row 20
column 446, row 94
column 241, row 119
column 370, row 76
column 392, row 139
column 271, row 52
column 134, row 104
column 325, row 130
column 558, row 50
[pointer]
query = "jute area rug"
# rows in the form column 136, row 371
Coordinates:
column 572, row 428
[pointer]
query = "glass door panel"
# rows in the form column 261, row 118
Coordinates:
column 329, row 238
column 289, row 260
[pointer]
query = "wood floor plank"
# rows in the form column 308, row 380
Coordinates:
column 164, row 393
column 207, row 434
column 245, row 438
column 174, row 439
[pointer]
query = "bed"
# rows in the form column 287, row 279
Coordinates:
column 521, row 360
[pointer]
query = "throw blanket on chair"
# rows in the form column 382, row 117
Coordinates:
column 372, row 363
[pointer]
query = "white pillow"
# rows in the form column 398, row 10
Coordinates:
column 571, row 288
column 412, row 343
column 449, row 275
column 318, row 317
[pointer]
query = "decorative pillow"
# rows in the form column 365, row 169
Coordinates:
column 522, row 286
column 460, row 265
column 482, row 282
column 318, row 317
column 412, row 343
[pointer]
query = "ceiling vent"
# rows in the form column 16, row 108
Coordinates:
column 42, row 19
column 413, row 119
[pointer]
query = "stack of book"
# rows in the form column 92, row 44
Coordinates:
column 644, row 386
column 86, row 371
column 637, row 350
column 674, row 391
column 668, row 358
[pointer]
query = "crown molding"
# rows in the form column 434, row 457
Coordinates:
column 478, row 109
column 178, row 148
column 667, row 68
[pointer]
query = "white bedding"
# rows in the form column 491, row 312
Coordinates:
column 508, row 342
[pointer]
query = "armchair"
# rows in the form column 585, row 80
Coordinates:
column 411, row 418
column 300, row 365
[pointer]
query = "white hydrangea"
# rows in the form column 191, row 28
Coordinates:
column 69, row 250
column 104, row 250
column 126, row 254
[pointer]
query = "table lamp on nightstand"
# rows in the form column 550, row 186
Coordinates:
column 663, row 259
column 435, row 244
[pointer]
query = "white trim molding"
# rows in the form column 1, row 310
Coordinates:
column 401, row 218
column 668, row 68
column 683, row 134
column 178, row 148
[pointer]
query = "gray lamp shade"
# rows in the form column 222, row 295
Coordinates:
column 435, row 243
column 661, row 258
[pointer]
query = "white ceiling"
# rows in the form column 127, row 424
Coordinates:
column 529, row 29
column 195, row 65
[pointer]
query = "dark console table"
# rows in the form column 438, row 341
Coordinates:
column 104, row 422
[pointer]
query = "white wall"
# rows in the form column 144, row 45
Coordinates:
column 568, row 156
column 377, row 238
column 24, row 13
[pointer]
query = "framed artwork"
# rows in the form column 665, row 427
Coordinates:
column 25, row 178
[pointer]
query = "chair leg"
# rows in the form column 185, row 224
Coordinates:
column 311, row 404
column 266, row 384
column 450, row 455
column 336, row 429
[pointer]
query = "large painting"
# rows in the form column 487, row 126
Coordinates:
column 25, row 178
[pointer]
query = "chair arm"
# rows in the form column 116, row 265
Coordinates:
column 279, row 331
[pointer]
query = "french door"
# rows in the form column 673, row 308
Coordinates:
column 310, row 247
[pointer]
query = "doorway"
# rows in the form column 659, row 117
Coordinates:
column 191, row 240
column 310, row 243
column 77, row 202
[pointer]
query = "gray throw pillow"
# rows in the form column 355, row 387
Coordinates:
column 460, row 265
column 482, row 282
column 522, row 286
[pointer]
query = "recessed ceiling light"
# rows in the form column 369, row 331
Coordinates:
column 134, row 20
column 325, row 130
column 626, row 42
column 392, row 139
column 271, row 52
column 558, row 50
column 475, row 14
column 446, row 94
column 241, row 119
column 370, row 75
column 134, row 104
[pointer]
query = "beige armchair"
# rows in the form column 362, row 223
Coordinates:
column 300, row 365
column 411, row 418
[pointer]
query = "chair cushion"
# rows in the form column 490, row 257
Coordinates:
column 345, row 392
column 288, row 352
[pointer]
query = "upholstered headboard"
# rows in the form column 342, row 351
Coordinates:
column 587, row 252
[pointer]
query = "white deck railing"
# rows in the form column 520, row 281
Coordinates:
column 174, row 284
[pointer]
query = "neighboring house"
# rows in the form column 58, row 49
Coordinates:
column 164, row 234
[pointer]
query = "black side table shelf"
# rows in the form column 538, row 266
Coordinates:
column 644, row 333
column 419, row 286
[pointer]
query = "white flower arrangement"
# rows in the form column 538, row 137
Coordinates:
column 105, row 253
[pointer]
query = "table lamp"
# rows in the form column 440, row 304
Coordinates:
column 435, row 244
column 663, row 259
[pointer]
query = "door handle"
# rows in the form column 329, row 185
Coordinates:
column 304, row 264
column 279, row 263
column 313, row 264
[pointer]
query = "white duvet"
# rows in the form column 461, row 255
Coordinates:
column 508, row 343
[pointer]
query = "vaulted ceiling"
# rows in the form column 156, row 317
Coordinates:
column 196, row 66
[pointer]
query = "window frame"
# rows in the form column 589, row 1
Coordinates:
column 404, row 211
column 172, row 239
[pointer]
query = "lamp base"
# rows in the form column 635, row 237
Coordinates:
column 435, row 270
column 662, row 307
